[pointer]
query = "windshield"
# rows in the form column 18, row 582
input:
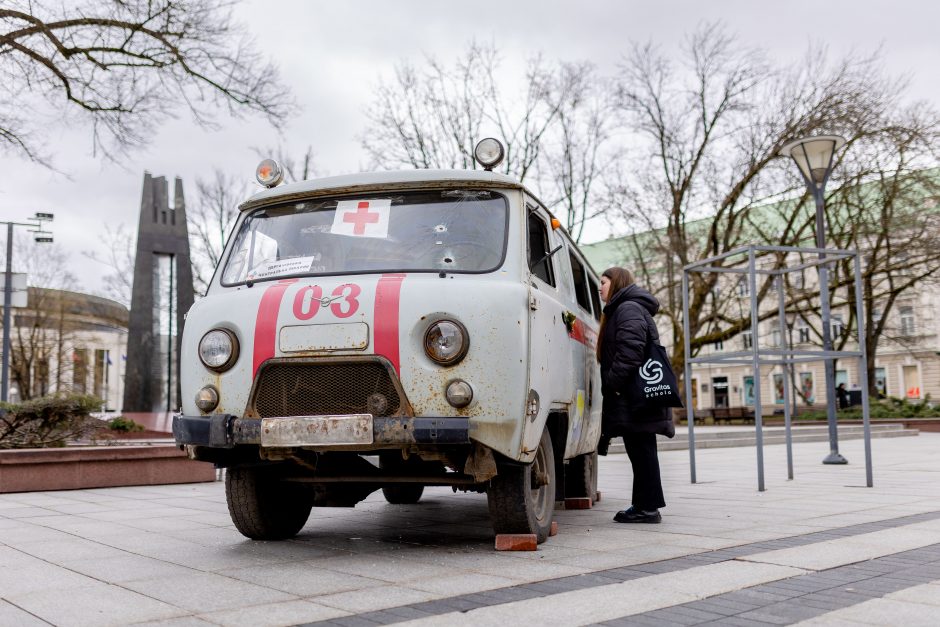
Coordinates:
column 449, row 230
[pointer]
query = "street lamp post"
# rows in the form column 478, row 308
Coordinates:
column 43, row 237
column 814, row 157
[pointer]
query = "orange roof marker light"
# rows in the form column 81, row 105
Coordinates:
column 269, row 173
column 556, row 223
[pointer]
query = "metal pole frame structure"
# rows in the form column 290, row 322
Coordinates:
column 690, row 411
column 785, row 355
column 41, row 236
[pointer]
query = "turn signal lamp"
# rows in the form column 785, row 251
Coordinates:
column 459, row 393
column 269, row 173
column 207, row 399
column 489, row 153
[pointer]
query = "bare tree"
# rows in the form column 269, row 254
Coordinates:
column 708, row 134
column 125, row 66
column 554, row 124
column 580, row 150
column 210, row 221
column 42, row 333
column 429, row 118
column 886, row 208
column 116, row 250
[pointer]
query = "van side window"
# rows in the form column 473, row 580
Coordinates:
column 538, row 248
column 580, row 281
column 595, row 297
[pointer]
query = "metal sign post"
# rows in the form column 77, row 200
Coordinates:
column 41, row 236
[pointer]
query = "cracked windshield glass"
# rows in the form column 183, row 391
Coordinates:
column 450, row 230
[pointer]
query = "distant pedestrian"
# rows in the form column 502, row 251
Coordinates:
column 843, row 395
column 626, row 328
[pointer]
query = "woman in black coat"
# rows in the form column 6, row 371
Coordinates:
column 626, row 328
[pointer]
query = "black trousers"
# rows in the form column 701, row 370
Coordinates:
column 647, row 484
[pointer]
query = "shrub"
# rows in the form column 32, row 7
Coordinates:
column 890, row 407
column 124, row 425
column 48, row 421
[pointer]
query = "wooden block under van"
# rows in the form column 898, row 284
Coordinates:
column 516, row 542
column 578, row 503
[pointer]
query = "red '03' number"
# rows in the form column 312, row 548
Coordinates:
column 308, row 301
column 349, row 300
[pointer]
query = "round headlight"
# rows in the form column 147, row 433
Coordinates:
column 489, row 153
column 207, row 399
column 446, row 342
column 269, row 173
column 459, row 393
column 218, row 349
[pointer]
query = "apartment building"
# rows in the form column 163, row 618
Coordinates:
column 67, row 341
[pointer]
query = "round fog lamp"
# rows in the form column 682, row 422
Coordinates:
column 489, row 153
column 446, row 342
column 207, row 399
column 459, row 393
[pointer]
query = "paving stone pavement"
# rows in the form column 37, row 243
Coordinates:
column 821, row 549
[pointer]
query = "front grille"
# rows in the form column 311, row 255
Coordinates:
column 331, row 388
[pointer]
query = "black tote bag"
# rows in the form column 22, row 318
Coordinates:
column 654, row 385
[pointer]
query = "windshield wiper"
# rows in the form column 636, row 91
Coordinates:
column 545, row 256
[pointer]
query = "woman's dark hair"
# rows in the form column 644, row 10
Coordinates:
column 619, row 279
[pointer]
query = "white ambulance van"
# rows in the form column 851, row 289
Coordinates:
column 395, row 330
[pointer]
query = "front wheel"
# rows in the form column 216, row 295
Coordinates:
column 522, row 496
column 263, row 506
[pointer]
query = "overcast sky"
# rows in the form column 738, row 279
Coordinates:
column 331, row 54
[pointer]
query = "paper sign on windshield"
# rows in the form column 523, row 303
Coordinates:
column 283, row 267
column 362, row 218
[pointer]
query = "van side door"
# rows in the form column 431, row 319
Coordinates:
column 549, row 370
column 584, row 415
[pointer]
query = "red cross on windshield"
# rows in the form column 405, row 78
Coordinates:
column 361, row 218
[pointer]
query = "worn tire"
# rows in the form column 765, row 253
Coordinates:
column 408, row 494
column 517, row 503
column 581, row 477
column 262, row 506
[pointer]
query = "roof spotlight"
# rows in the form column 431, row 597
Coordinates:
column 269, row 173
column 489, row 153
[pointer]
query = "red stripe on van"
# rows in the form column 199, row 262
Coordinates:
column 582, row 333
column 266, row 323
column 387, row 297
